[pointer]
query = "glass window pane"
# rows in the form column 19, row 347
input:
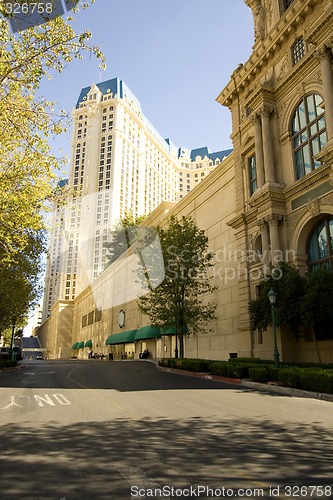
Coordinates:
column 319, row 101
column 295, row 125
column 307, row 159
column 311, row 108
column 299, row 164
column 321, row 123
column 322, row 242
column 297, row 141
column 304, row 136
column 315, row 146
column 313, row 129
column 313, row 248
column 323, row 139
column 301, row 116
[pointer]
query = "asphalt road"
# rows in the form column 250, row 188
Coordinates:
column 124, row 430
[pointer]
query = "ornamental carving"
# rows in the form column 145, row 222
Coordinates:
column 313, row 207
column 283, row 68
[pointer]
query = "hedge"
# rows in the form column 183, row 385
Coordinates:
column 311, row 378
column 7, row 363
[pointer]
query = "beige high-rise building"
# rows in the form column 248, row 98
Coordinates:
column 119, row 163
column 270, row 200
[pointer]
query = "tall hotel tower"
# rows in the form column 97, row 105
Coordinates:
column 119, row 163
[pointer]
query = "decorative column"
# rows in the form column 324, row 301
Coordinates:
column 264, row 244
column 259, row 150
column 273, row 223
column 267, row 145
column 324, row 55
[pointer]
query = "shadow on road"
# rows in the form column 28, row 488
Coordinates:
column 122, row 376
column 102, row 461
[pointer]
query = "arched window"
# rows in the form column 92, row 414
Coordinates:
column 308, row 134
column 320, row 248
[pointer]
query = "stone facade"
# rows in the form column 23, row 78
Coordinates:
column 261, row 205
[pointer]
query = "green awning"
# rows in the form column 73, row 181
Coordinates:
column 80, row 345
column 88, row 343
column 147, row 332
column 74, row 346
column 172, row 330
column 121, row 338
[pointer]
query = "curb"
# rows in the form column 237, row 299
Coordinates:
column 269, row 388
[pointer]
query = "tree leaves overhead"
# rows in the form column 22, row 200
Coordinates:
column 27, row 165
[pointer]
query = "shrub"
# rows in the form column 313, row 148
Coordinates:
column 258, row 373
column 273, row 372
column 251, row 360
column 219, row 368
column 316, row 380
column 290, row 377
column 7, row 363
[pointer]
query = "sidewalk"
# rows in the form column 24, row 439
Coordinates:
column 269, row 388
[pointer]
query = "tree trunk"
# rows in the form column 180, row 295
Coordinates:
column 181, row 345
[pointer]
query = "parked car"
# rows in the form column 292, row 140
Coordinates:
column 39, row 356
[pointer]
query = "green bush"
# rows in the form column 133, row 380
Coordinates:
column 316, row 380
column 7, row 363
column 273, row 372
column 232, row 370
column 290, row 377
column 251, row 360
column 258, row 373
column 219, row 368
column 195, row 365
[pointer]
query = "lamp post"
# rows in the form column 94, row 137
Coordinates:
column 272, row 299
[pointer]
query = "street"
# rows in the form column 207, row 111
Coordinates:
column 123, row 430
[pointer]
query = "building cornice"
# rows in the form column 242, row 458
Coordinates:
column 265, row 50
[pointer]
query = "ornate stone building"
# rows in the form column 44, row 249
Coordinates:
column 281, row 101
column 270, row 200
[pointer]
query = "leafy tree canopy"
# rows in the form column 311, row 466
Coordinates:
column 289, row 287
column 123, row 235
column 300, row 300
column 181, row 300
column 27, row 166
column 27, row 121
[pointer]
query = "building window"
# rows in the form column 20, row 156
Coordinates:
column 253, row 174
column 320, row 248
column 298, row 50
column 308, row 134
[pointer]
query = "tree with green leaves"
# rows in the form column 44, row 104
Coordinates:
column 123, row 235
column 300, row 301
column 289, row 287
column 181, row 301
column 20, row 283
column 27, row 165
column 317, row 304
column 28, row 121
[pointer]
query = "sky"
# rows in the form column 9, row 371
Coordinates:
column 175, row 55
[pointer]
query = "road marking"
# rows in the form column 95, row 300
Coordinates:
column 40, row 400
column 39, row 373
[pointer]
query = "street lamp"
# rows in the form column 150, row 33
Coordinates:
column 272, row 299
